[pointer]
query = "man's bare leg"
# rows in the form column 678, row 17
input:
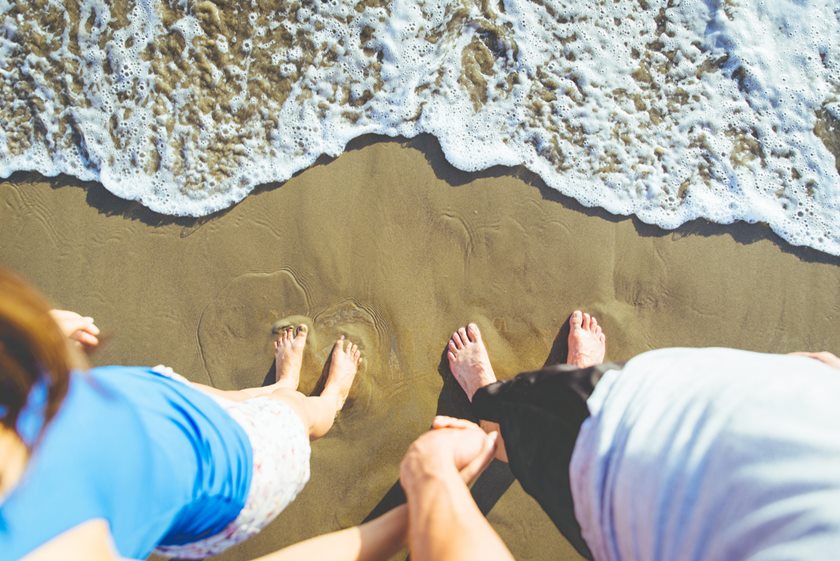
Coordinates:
column 470, row 362
column 587, row 342
column 470, row 365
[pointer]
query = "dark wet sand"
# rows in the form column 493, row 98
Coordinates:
column 395, row 248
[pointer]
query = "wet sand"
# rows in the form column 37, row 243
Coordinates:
column 395, row 248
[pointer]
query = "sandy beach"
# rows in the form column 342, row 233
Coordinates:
column 395, row 248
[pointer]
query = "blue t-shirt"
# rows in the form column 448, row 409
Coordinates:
column 157, row 459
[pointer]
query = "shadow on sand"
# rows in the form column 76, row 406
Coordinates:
column 742, row 232
column 489, row 487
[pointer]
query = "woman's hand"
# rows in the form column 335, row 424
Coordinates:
column 824, row 356
column 80, row 329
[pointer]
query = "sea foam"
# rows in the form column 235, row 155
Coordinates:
column 669, row 110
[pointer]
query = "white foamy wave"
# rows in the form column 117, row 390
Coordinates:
column 717, row 109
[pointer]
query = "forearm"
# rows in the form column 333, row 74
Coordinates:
column 446, row 524
column 376, row 540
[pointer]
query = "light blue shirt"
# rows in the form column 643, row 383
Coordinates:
column 160, row 461
column 711, row 455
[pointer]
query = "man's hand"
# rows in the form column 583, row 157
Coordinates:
column 80, row 329
column 445, row 523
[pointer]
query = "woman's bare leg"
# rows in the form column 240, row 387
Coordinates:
column 288, row 358
column 318, row 412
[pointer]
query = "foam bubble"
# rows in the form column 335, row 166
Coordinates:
column 671, row 113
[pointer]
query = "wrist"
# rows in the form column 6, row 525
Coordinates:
column 414, row 477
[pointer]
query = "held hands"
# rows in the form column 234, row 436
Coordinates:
column 79, row 329
column 475, row 468
column 455, row 447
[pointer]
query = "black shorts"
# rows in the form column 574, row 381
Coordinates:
column 540, row 414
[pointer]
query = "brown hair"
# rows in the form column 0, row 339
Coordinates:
column 32, row 349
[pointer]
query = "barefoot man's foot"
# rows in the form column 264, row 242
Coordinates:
column 344, row 363
column 587, row 342
column 469, row 361
column 288, row 355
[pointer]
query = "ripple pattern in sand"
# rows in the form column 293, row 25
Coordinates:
column 237, row 328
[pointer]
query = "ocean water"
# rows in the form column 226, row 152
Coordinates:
column 670, row 110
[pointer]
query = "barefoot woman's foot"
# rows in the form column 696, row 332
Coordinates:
column 469, row 361
column 587, row 342
column 288, row 355
column 344, row 363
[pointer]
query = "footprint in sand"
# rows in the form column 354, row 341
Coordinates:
column 234, row 332
column 362, row 325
